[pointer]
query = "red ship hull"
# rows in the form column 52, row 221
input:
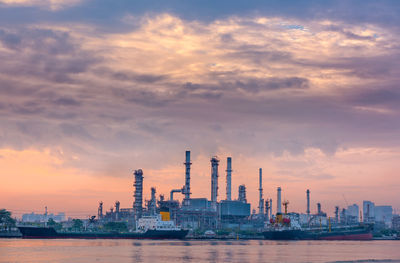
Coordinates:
column 363, row 236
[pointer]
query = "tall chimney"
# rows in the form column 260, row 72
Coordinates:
column 267, row 210
column 153, row 201
column 270, row 208
column 100, row 210
column 214, row 182
column 117, row 205
column 261, row 199
column 279, row 202
column 137, row 206
column 187, row 179
column 229, row 179
column 308, row 202
column 336, row 214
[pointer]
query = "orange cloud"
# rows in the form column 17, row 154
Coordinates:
column 306, row 101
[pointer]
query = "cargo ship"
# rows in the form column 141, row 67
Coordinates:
column 287, row 227
column 355, row 232
column 148, row 227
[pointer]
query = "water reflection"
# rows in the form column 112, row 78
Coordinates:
column 200, row 251
column 213, row 255
column 187, row 255
column 137, row 253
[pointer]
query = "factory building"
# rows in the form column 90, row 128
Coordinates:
column 368, row 211
column 384, row 214
column 352, row 214
column 396, row 222
column 42, row 218
column 197, row 213
column 191, row 213
column 230, row 213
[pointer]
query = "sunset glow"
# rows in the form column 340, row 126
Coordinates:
column 85, row 99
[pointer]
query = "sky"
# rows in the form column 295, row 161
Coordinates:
column 91, row 90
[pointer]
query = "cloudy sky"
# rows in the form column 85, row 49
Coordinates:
column 91, row 90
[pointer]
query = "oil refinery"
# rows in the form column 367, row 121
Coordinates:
column 203, row 214
column 163, row 217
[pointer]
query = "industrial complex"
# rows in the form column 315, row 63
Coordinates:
column 211, row 214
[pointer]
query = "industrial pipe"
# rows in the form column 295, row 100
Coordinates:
column 174, row 191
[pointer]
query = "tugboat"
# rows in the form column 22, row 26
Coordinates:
column 148, row 227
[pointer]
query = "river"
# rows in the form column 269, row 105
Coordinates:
column 149, row 251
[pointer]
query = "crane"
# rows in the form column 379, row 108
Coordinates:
column 285, row 204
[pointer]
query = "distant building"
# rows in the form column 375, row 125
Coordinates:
column 384, row 213
column 42, row 218
column 396, row 222
column 352, row 214
column 377, row 213
column 368, row 211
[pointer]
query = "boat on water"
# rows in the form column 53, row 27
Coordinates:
column 148, row 227
column 287, row 227
column 352, row 232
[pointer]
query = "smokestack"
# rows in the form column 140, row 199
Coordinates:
column 137, row 206
column 117, row 204
column 214, row 182
column 100, row 210
column 261, row 200
column 308, row 202
column 279, row 202
column 187, row 179
column 242, row 193
column 153, row 204
column 337, row 214
column 270, row 208
column 229, row 179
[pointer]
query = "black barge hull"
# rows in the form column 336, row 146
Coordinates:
column 51, row 233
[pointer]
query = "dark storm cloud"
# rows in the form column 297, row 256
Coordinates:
column 243, row 84
column 130, row 76
column 65, row 101
column 45, row 54
column 28, row 108
column 147, row 98
column 348, row 34
column 378, row 96
column 9, row 40
column 379, row 66
column 257, row 85
column 204, row 91
column 259, row 57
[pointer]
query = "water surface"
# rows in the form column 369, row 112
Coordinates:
column 116, row 251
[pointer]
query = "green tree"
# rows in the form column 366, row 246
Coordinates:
column 54, row 224
column 77, row 224
column 116, row 226
column 6, row 221
column 223, row 232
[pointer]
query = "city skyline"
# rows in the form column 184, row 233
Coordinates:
column 306, row 90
